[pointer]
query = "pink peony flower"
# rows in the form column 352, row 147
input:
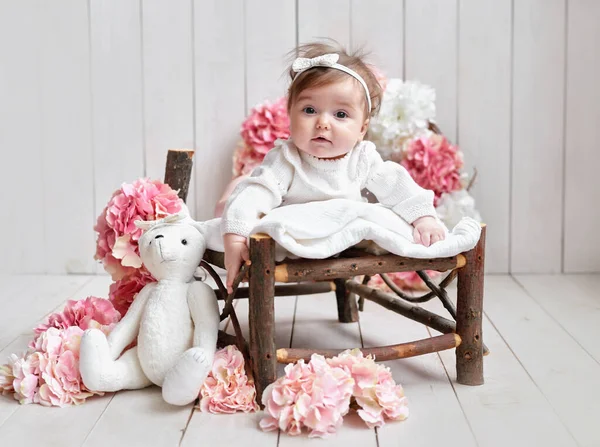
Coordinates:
column 434, row 164
column 227, row 389
column 245, row 159
column 267, row 122
column 408, row 281
column 374, row 388
column 116, row 245
column 60, row 380
column 123, row 291
column 315, row 396
column 87, row 313
column 48, row 373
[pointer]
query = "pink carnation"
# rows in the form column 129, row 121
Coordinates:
column 434, row 164
column 118, row 236
column 267, row 122
column 48, row 373
column 123, row 291
column 374, row 388
column 227, row 389
column 315, row 396
column 409, row 281
column 87, row 313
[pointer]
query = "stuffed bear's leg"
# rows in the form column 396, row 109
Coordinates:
column 100, row 373
column 183, row 381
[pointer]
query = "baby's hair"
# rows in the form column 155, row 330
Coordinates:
column 321, row 76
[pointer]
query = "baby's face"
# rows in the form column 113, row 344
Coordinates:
column 328, row 121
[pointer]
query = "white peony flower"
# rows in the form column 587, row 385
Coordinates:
column 456, row 205
column 406, row 110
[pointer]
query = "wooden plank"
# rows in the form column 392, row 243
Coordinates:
column 318, row 19
column 377, row 26
column 581, row 238
column 431, row 54
column 484, row 41
column 316, row 326
column 537, row 143
column 574, row 303
column 117, row 114
column 66, row 137
column 568, row 376
column 20, row 116
column 266, row 64
column 430, row 395
column 168, row 78
column 219, row 96
column 508, row 406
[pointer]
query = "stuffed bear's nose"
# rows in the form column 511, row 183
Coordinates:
column 158, row 236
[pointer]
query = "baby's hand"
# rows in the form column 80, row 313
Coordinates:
column 427, row 231
column 236, row 252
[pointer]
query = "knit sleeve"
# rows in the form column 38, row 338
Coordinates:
column 393, row 186
column 258, row 194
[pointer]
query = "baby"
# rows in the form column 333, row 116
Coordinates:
column 330, row 101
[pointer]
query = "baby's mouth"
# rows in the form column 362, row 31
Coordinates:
column 321, row 140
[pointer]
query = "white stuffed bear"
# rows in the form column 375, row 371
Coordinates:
column 175, row 321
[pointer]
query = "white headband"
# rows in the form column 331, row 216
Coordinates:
column 302, row 64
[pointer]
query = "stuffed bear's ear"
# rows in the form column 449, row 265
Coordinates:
column 200, row 226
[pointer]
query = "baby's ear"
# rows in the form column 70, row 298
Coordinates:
column 364, row 128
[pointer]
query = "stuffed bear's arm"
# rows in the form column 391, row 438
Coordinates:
column 204, row 309
column 127, row 329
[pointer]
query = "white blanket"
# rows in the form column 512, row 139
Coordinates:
column 319, row 230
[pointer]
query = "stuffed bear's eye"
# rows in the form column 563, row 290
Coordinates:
column 184, row 241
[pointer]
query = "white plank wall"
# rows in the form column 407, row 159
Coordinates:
column 538, row 135
column 168, row 80
column 431, row 54
column 92, row 94
column 484, row 115
column 582, row 193
column 220, row 98
column 21, row 157
column 117, row 96
column 63, row 80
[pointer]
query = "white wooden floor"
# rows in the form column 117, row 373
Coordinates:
column 542, row 376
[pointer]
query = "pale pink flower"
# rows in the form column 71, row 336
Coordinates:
column 144, row 199
column 6, row 379
column 123, row 291
column 245, row 159
column 375, row 390
column 86, row 313
column 25, row 375
column 434, row 164
column 227, row 389
column 267, row 122
column 379, row 75
column 48, row 373
column 315, row 396
column 407, row 281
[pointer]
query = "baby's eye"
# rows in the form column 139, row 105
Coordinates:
column 184, row 241
column 309, row 110
column 341, row 115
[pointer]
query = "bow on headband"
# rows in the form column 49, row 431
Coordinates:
column 329, row 60
column 325, row 60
